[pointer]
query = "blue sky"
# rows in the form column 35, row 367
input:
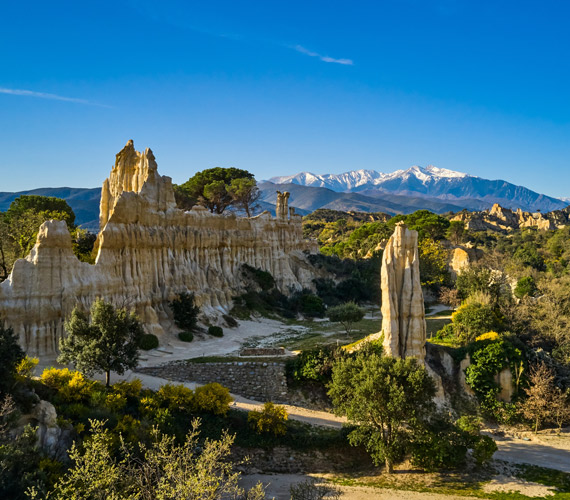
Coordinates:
column 278, row 87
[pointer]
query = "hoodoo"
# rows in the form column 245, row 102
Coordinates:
column 148, row 251
column 403, row 314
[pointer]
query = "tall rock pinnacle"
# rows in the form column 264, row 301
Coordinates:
column 403, row 314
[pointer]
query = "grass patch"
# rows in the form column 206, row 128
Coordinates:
column 542, row 475
column 446, row 312
column 326, row 333
column 462, row 484
column 435, row 324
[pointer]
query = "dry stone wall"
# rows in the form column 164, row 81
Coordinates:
column 148, row 251
column 261, row 381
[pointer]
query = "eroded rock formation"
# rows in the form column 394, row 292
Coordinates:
column 403, row 314
column 503, row 219
column 147, row 252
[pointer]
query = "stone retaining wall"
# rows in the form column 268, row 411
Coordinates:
column 253, row 380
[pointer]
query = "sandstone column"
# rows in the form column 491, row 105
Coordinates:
column 403, row 314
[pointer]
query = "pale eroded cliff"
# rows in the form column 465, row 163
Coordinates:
column 147, row 252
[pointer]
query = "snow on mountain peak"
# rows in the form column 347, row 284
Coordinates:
column 348, row 181
column 444, row 172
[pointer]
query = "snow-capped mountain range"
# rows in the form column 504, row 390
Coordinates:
column 359, row 180
column 428, row 182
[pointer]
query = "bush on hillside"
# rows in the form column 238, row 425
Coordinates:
column 148, row 341
column 215, row 331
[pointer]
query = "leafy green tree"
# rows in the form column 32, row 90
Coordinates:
column 185, row 311
column 455, row 232
column 7, row 248
column 244, row 193
column 525, row 286
column 210, row 187
column 20, row 459
column 109, row 342
column 10, row 356
column 83, row 242
column 484, row 280
column 426, row 223
column 386, row 397
column 23, row 230
column 433, row 263
column 346, row 314
column 528, row 255
column 39, row 204
column 20, row 223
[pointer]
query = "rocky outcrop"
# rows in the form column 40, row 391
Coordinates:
column 504, row 220
column 403, row 314
column 147, row 252
column 462, row 257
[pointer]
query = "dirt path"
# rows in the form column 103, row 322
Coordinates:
column 277, row 486
column 554, row 455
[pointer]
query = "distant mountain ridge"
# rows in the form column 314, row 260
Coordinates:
column 429, row 182
column 403, row 191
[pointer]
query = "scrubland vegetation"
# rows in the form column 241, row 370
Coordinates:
column 510, row 310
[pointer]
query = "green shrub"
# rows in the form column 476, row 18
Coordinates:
column 26, row 367
column 483, row 449
column 346, row 314
column 272, row 419
column 231, row 322
column 185, row 311
column 130, row 389
column 314, row 364
column 148, row 341
column 176, row 397
column 115, row 402
column 186, row 336
column 525, row 286
column 212, row 398
column 474, row 319
column 470, row 424
column 215, row 331
column 264, row 279
column 311, row 306
column 10, row 355
column 447, row 333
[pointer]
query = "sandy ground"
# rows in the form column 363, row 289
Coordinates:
column 555, row 454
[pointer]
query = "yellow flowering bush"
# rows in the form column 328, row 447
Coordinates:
column 488, row 336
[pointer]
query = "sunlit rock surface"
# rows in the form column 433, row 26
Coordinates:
column 403, row 314
column 148, row 251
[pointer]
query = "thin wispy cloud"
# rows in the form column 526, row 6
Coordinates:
column 327, row 59
column 45, row 95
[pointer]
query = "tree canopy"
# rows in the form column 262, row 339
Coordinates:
column 212, row 188
column 109, row 342
column 386, row 397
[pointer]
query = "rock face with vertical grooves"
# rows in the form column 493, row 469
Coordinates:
column 403, row 314
column 148, row 251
